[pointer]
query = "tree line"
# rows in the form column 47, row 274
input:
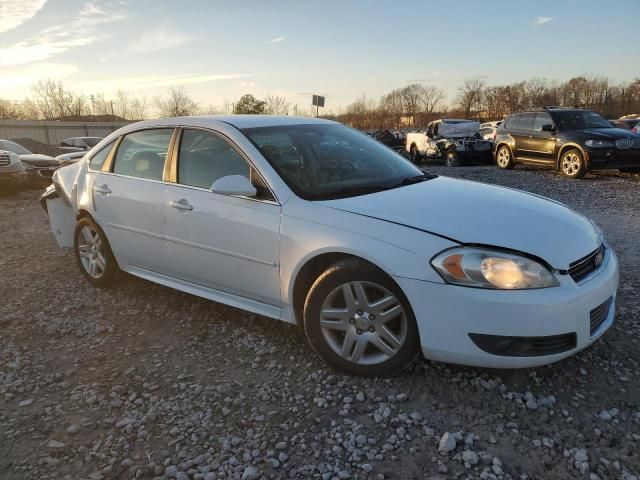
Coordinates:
column 50, row 100
column 416, row 105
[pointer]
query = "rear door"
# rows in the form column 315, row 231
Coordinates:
column 541, row 145
column 521, row 131
column 223, row 242
column 129, row 199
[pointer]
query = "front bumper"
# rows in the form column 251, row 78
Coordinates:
column 604, row 158
column 448, row 314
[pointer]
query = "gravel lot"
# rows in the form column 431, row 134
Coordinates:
column 140, row 381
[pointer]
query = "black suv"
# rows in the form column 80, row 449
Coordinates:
column 571, row 140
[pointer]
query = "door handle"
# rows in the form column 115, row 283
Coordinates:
column 181, row 205
column 104, row 190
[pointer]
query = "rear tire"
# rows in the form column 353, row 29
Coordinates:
column 359, row 321
column 572, row 164
column 93, row 253
column 414, row 155
column 451, row 159
column 504, row 159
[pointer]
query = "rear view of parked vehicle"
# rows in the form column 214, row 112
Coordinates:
column 453, row 140
column 573, row 141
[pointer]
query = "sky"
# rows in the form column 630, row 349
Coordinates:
column 219, row 49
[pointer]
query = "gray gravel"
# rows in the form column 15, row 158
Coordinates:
column 140, row 381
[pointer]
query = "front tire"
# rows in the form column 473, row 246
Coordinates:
column 504, row 159
column 359, row 321
column 93, row 253
column 572, row 164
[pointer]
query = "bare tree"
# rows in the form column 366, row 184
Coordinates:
column 176, row 104
column 470, row 96
column 411, row 99
column 431, row 98
column 276, row 105
column 8, row 110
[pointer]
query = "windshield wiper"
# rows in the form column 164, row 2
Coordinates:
column 417, row 179
column 352, row 192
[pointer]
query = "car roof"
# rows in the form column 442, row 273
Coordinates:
column 238, row 121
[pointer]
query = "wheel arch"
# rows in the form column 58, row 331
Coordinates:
column 311, row 268
column 570, row 146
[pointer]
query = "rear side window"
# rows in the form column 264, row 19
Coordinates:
column 142, row 154
column 508, row 123
column 542, row 119
column 97, row 160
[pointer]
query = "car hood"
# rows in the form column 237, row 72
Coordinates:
column 38, row 160
column 607, row 133
column 476, row 213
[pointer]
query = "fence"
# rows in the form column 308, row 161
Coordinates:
column 53, row 132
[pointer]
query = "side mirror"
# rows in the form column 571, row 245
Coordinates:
column 234, row 185
column 547, row 128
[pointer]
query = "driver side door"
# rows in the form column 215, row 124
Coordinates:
column 221, row 242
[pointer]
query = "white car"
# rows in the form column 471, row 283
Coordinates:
column 12, row 171
column 313, row 223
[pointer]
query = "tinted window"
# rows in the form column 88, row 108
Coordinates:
column 524, row 122
column 323, row 161
column 142, row 154
column 92, row 141
column 97, row 160
column 508, row 123
column 542, row 119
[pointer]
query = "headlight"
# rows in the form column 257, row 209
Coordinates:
column 484, row 268
column 599, row 144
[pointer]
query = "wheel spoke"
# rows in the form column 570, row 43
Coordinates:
column 391, row 314
column 86, row 233
column 361, row 295
column 347, row 345
column 390, row 338
column 101, row 262
column 378, row 306
column 349, row 299
column 92, row 267
column 382, row 346
column 358, row 351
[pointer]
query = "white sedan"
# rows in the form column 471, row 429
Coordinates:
column 313, row 223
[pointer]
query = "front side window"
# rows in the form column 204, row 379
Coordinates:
column 327, row 161
column 97, row 160
column 205, row 157
column 142, row 154
column 541, row 119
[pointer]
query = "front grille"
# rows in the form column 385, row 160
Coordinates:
column 524, row 346
column 581, row 269
column 5, row 161
column 624, row 143
column 636, row 143
column 598, row 315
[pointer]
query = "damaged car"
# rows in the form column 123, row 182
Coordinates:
column 12, row 171
column 39, row 167
column 310, row 222
column 452, row 140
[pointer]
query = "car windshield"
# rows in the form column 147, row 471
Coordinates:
column 579, row 119
column 329, row 161
column 13, row 147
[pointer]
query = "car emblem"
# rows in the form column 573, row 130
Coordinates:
column 599, row 258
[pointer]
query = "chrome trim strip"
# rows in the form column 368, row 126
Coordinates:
column 597, row 271
column 138, row 231
column 223, row 252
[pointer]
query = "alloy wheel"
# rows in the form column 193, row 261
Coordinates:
column 503, row 157
column 91, row 252
column 363, row 323
column 571, row 164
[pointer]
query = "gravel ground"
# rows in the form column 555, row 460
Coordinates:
column 140, row 381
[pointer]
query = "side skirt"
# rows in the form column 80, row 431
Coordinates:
column 226, row 298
